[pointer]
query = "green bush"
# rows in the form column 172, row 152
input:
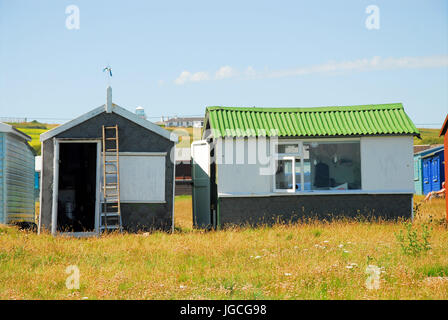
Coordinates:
column 412, row 243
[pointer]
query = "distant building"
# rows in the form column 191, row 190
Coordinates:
column 195, row 122
column 183, row 172
column 140, row 112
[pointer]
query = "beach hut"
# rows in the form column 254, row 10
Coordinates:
column 261, row 165
column 16, row 176
column 429, row 170
column 443, row 132
column 108, row 169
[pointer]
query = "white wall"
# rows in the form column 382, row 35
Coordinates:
column 387, row 163
column 244, row 175
column 386, row 166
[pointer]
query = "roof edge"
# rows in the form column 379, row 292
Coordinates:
column 13, row 130
column 389, row 106
column 115, row 109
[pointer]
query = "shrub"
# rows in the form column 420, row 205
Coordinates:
column 412, row 243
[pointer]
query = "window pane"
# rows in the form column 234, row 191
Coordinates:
column 283, row 175
column 332, row 166
column 288, row 148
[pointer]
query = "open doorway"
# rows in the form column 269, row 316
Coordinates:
column 77, row 186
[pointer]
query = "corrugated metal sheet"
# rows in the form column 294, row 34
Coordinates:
column 19, row 178
column 2, row 157
column 310, row 122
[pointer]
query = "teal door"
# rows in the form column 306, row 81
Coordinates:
column 200, row 162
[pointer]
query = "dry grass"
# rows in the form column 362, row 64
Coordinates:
column 302, row 261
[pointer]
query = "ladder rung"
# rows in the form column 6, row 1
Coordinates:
column 110, row 214
column 111, row 150
column 113, row 160
column 111, row 172
column 111, row 138
column 114, row 226
column 114, row 127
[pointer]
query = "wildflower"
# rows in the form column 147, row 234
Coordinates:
column 257, row 257
column 326, row 241
column 341, row 245
column 346, row 251
column 182, row 287
column 287, row 274
column 349, row 266
column 85, row 298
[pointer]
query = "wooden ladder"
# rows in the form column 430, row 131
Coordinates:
column 110, row 218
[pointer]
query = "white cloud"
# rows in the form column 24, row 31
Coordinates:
column 186, row 76
column 225, row 72
column 362, row 65
column 358, row 65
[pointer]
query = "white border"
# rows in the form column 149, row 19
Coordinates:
column 54, row 207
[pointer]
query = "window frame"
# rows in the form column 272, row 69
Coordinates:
column 286, row 158
column 299, row 156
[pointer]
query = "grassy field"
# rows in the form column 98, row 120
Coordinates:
column 429, row 136
column 34, row 130
column 313, row 260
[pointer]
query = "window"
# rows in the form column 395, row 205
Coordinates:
column 318, row 166
column 142, row 178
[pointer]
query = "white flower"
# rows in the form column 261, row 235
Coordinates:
column 349, row 267
column 346, row 251
column 341, row 245
column 182, row 287
column 85, row 298
column 257, row 257
column 326, row 241
column 287, row 274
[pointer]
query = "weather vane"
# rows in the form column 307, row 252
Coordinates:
column 108, row 71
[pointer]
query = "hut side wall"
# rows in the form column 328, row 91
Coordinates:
column 19, row 180
column 2, row 179
column 260, row 210
column 132, row 138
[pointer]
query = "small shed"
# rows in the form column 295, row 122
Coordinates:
column 261, row 165
column 429, row 170
column 16, row 176
column 443, row 132
column 73, row 182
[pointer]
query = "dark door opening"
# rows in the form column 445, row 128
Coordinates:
column 77, row 187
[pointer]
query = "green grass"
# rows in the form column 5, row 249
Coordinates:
column 429, row 136
column 314, row 260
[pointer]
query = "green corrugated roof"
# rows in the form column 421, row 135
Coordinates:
column 380, row 119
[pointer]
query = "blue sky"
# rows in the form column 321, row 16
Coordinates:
column 177, row 57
